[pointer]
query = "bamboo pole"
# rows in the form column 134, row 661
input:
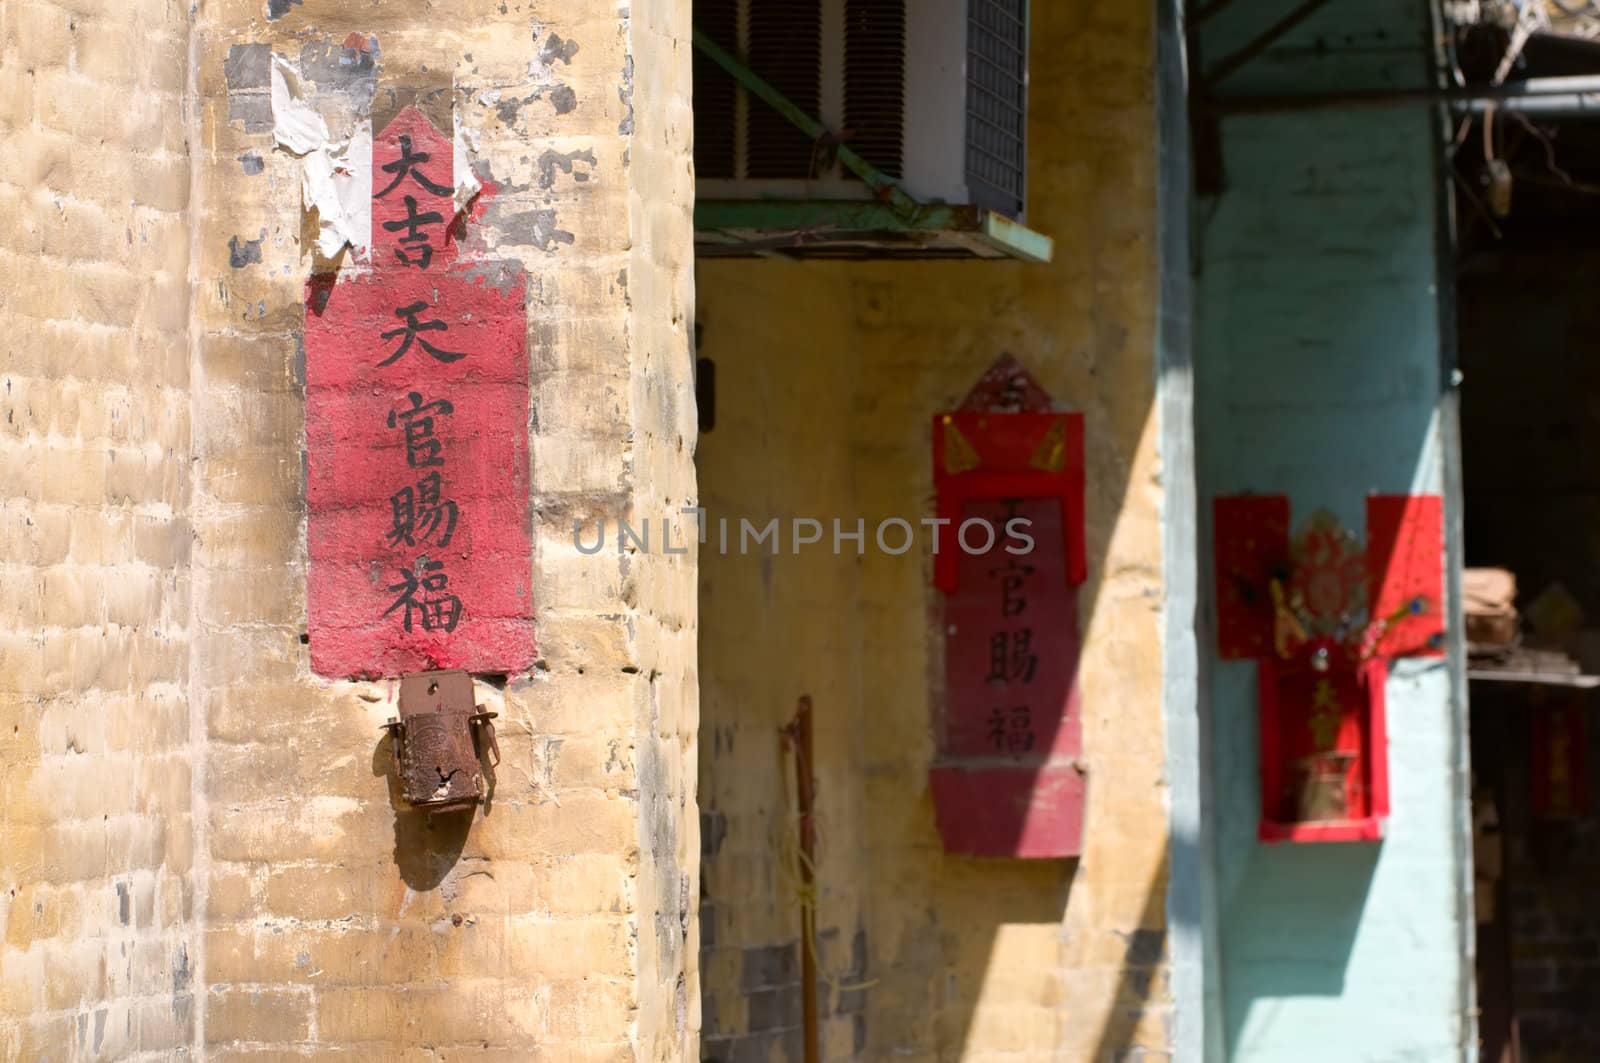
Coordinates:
column 798, row 737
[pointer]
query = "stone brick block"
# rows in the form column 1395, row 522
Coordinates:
column 162, row 1023
column 411, row 1014
column 575, row 643
column 41, row 31
column 231, row 896
column 245, row 596
column 321, row 827
column 569, row 947
column 581, row 823
column 584, row 762
column 573, row 1009
column 244, row 955
column 257, row 1015
column 331, row 892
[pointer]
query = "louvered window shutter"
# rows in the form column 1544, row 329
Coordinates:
column 997, row 102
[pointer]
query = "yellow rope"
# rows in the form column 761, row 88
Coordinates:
column 791, row 861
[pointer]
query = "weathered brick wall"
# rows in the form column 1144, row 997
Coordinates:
column 827, row 375
column 96, row 927
column 299, row 910
column 774, row 628
column 558, row 927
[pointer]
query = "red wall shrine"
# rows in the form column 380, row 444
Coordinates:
column 1322, row 616
column 1009, row 476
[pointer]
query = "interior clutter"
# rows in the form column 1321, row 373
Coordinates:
column 1528, row 240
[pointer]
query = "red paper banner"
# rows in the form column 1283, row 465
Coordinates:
column 1251, row 533
column 1405, row 573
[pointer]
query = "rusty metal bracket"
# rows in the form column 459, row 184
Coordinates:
column 440, row 740
column 483, row 730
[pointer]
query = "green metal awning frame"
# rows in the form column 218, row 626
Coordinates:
column 833, row 227
column 891, row 221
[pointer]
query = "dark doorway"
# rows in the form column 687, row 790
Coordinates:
column 1528, row 319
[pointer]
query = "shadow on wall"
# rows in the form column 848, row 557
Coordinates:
column 427, row 845
column 1138, row 982
column 1301, row 937
column 1304, row 905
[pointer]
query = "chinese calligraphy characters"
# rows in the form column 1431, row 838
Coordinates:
column 422, row 590
column 418, row 513
column 411, row 331
column 422, row 444
column 421, row 511
column 407, row 165
column 418, row 231
column 1012, row 642
column 416, row 437
column 412, row 225
column 1011, row 730
column 1011, row 657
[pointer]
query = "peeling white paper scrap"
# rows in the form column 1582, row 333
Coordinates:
column 336, row 179
column 296, row 125
column 467, row 183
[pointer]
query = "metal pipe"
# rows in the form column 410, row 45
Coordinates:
column 1573, row 106
column 1515, row 95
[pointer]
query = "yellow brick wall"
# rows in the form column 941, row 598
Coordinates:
column 826, row 376
column 559, row 926
column 154, row 400
column 96, row 927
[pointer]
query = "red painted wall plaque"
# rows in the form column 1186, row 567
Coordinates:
column 1008, row 780
column 416, row 439
column 1011, row 642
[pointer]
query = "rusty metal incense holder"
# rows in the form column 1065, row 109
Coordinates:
column 440, row 740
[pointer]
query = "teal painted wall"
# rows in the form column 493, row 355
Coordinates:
column 1318, row 375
